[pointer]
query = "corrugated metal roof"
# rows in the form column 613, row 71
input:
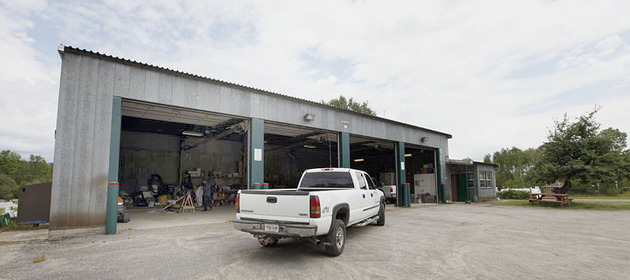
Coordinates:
column 62, row 48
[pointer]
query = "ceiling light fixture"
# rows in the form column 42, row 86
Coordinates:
column 192, row 133
column 407, row 155
column 359, row 160
column 310, row 146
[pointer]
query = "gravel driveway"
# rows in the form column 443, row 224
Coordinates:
column 455, row 241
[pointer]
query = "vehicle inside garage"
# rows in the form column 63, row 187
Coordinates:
column 376, row 157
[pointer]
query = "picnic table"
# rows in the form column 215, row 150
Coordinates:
column 559, row 198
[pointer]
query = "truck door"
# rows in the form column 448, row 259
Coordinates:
column 375, row 196
column 365, row 199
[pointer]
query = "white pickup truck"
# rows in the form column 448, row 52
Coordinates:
column 326, row 201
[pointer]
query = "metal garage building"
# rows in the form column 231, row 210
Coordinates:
column 123, row 121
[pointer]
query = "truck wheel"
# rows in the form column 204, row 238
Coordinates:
column 268, row 241
column 381, row 215
column 125, row 218
column 336, row 238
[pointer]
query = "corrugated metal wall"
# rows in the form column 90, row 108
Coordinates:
column 89, row 82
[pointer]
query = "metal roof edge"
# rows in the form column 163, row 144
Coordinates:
column 63, row 48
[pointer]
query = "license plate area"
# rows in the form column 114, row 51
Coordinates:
column 272, row 228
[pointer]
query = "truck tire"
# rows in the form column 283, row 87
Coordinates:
column 268, row 241
column 381, row 215
column 125, row 218
column 336, row 238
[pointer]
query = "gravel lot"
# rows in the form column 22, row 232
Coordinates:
column 455, row 241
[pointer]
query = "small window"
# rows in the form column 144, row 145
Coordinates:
column 327, row 180
column 485, row 179
column 370, row 182
column 361, row 179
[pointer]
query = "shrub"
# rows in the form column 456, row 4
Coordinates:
column 514, row 195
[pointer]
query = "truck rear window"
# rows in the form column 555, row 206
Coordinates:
column 327, row 180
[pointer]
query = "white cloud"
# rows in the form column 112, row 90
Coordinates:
column 27, row 85
column 493, row 74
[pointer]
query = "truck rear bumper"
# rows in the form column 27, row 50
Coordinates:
column 284, row 230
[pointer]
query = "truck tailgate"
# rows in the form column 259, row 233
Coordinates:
column 279, row 205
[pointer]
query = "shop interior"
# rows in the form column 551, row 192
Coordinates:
column 421, row 174
column 167, row 152
column 289, row 150
column 376, row 157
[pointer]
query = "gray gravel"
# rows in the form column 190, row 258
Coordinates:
column 455, row 241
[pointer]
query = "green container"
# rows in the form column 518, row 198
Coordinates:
column 407, row 195
column 5, row 219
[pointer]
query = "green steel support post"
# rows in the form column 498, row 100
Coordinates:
column 467, row 187
column 400, row 173
column 256, row 154
column 344, row 150
column 441, row 187
column 113, row 188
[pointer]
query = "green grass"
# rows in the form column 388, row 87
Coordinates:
column 625, row 195
column 592, row 205
column 15, row 227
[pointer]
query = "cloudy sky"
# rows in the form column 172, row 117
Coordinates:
column 494, row 74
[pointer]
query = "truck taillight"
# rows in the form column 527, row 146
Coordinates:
column 316, row 209
column 391, row 189
column 237, row 204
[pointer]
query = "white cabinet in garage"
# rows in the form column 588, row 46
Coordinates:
column 424, row 183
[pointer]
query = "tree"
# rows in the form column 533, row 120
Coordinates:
column 350, row 104
column 8, row 188
column 579, row 150
column 10, row 163
column 16, row 172
column 515, row 166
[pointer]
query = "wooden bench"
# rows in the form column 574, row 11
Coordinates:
column 558, row 198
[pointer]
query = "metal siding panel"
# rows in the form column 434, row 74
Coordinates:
column 83, row 141
column 179, row 93
column 254, row 106
column 190, row 91
column 101, row 143
column 235, row 103
column 137, row 83
column 205, row 97
column 122, row 81
column 271, row 108
column 225, row 100
column 64, row 141
column 213, row 94
column 165, row 92
column 152, row 86
column 332, row 120
column 244, row 106
column 284, row 111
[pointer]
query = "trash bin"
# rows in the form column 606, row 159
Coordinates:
column 407, row 195
column 5, row 219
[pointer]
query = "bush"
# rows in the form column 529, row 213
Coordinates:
column 514, row 195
